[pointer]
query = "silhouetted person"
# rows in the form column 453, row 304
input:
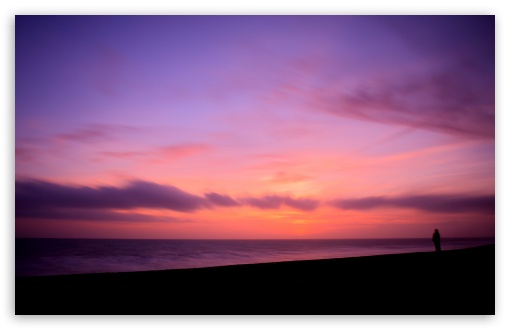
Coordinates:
column 436, row 238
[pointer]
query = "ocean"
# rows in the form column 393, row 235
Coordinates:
column 39, row 257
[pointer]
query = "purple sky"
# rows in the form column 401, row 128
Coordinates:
column 254, row 126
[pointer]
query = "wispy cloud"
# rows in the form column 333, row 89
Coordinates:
column 98, row 133
column 450, row 101
column 88, row 134
column 182, row 150
column 124, row 154
column 160, row 154
column 285, row 177
column 25, row 153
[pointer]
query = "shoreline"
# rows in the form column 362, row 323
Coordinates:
column 462, row 281
column 36, row 257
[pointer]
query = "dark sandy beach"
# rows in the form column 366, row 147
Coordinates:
column 454, row 282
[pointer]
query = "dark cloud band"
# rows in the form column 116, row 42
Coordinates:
column 41, row 199
column 430, row 203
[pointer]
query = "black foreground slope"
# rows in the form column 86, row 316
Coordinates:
column 452, row 282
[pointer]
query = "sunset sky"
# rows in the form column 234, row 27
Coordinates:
column 254, row 126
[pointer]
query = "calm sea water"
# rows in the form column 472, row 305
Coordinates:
column 36, row 257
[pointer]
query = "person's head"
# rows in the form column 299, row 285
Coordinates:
column 436, row 230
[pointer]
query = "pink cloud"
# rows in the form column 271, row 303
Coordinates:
column 25, row 154
column 182, row 150
column 285, row 177
column 159, row 154
column 123, row 154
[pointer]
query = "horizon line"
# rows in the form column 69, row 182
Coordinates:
column 253, row 239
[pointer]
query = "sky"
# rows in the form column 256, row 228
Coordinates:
column 254, row 127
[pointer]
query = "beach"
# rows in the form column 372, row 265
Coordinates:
column 453, row 282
